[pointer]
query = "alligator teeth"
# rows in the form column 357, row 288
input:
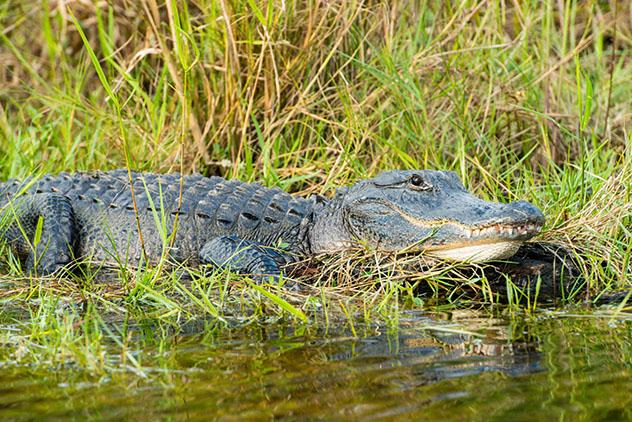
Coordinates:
column 498, row 229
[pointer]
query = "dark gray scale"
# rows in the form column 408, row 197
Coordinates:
column 228, row 212
column 204, row 207
column 298, row 217
column 208, row 207
column 171, row 199
column 248, row 214
column 274, row 225
column 250, row 218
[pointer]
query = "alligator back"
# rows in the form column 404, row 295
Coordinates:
column 198, row 208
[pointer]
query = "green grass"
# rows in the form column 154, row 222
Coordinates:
column 524, row 100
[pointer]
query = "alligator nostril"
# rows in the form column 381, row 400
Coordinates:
column 527, row 211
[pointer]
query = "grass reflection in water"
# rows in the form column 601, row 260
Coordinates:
column 448, row 365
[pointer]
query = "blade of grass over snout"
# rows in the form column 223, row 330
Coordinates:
column 279, row 301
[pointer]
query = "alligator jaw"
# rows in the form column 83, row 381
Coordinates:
column 480, row 252
column 486, row 243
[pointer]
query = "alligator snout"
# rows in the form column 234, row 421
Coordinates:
column 497, row 236
column 524, row 211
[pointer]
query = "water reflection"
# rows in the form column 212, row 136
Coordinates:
column 433, row 351
column 449, row 365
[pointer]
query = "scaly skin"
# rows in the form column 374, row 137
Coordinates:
column 247, row 227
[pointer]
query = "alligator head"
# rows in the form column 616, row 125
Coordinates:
column 423, row 210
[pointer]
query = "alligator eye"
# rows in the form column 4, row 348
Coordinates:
column 419, row 183
column 416, row 180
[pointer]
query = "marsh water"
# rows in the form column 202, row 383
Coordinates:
column 445, row 365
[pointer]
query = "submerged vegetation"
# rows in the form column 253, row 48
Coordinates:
column 524, row 100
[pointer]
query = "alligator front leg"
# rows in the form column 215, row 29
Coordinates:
column 243, row 256
column 54, row 247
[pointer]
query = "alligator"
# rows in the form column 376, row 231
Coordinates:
column 121, row 217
